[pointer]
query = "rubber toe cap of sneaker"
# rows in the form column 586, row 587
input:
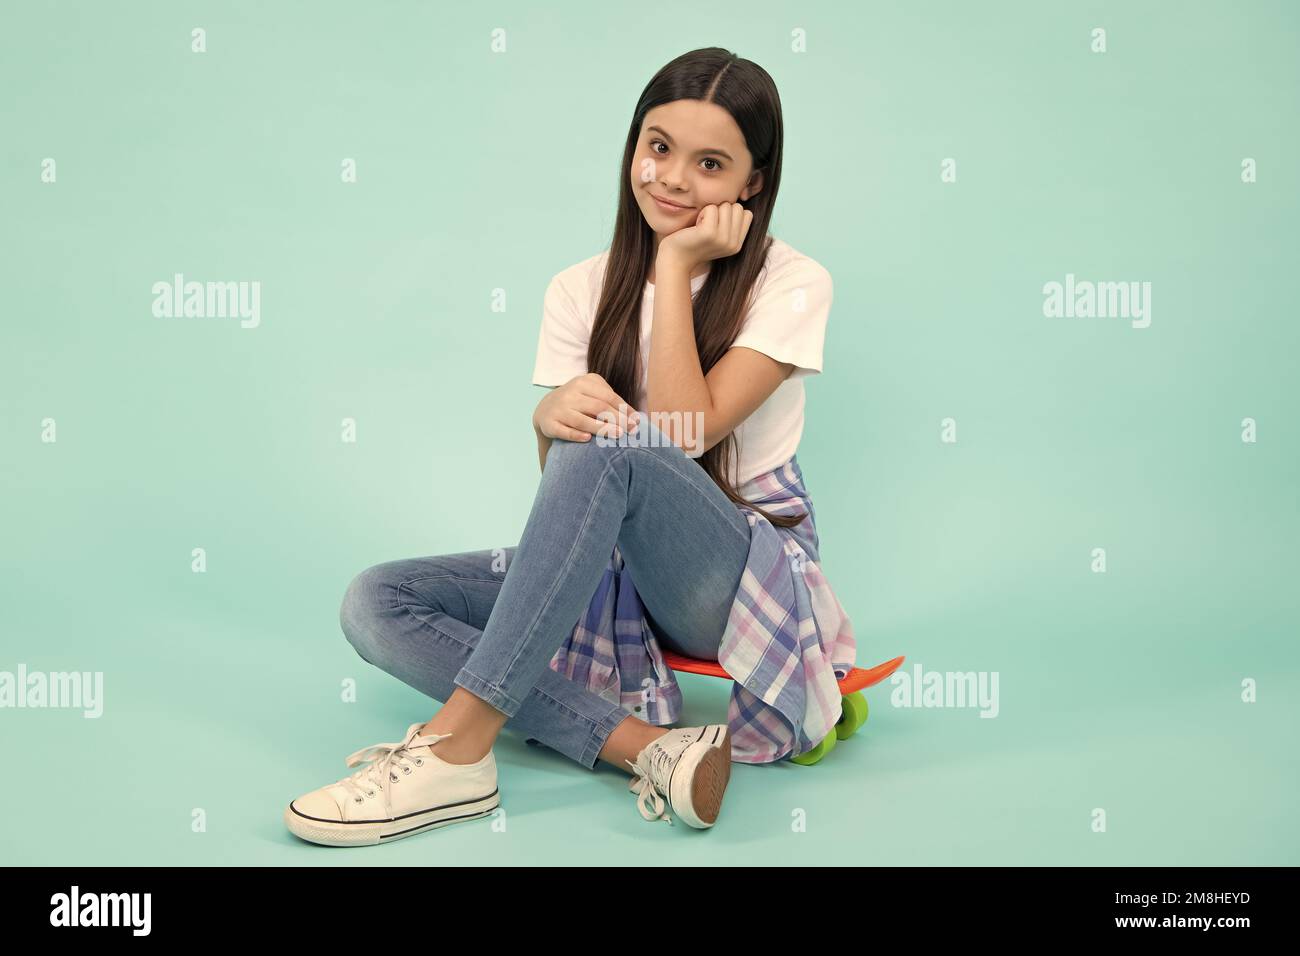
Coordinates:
column 320, row 805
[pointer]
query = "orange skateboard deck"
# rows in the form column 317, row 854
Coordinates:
column 857, row 678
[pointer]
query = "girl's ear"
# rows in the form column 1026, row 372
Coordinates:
column 754, row 186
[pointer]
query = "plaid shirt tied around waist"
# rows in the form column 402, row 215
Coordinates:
column 786, row 643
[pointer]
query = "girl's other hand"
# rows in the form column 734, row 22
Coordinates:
column 582, row 407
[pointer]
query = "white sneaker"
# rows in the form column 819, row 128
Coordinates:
column 690, row 766
column 406, row 789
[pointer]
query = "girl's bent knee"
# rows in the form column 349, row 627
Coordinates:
column 362, row 601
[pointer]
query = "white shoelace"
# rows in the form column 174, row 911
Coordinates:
column 643, row 784
column 385, row 757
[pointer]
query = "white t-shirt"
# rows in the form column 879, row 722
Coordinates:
column 787, row 321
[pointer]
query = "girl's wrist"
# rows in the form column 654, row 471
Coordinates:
column 668, row 261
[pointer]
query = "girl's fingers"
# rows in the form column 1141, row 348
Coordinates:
column 740, row 226
column 591, row 397
column 608, row 399
column 558, row 429
column 606, row 394
column 597, row 418
column 625, row 416
column 587, row 424
column 567, row 433
column 603, row 411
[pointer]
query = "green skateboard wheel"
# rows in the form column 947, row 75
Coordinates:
column 853, row 716
column 810, row 757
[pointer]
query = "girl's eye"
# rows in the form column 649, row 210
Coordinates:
column 654, row 143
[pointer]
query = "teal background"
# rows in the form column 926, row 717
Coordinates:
column 479, row 171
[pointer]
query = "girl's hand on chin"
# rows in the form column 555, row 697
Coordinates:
column 582, row 407
column 719, row 231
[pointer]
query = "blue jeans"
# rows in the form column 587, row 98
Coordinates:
column 490, row 621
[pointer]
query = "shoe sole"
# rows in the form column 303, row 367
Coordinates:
column 700, row 779
column 372, row 832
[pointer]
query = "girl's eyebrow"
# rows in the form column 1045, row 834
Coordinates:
column 720, row 152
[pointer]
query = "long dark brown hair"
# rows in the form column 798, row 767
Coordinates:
column 746, row 91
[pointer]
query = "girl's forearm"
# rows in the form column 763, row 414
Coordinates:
column 675, row 381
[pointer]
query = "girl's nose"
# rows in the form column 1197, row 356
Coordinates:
column 670, row 178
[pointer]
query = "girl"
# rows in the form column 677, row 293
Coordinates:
column 671, row 507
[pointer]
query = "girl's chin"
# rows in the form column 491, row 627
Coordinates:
column 663, row 231
column 670, row 224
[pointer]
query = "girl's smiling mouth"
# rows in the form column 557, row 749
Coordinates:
column 669, row 207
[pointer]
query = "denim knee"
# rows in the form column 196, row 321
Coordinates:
column 364, row 597
column 647, row 439
column 591, row 448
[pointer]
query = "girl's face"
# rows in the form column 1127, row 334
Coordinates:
column 692, row 154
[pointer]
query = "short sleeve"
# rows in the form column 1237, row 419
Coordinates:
column 562, row 342
column 787, row 319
